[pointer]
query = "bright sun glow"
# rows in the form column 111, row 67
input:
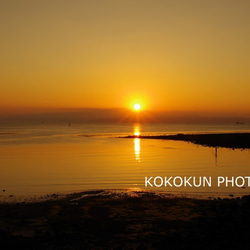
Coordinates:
column 137, row 106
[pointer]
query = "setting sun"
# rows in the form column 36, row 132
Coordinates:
column 137, row 106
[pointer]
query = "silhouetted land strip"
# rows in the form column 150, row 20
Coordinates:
column 228, row 140
column 141, row 221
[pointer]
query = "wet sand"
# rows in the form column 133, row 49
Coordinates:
column 126, row 220
column 228, row 140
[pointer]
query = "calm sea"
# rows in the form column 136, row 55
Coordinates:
column 51, row 158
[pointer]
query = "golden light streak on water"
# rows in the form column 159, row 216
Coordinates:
column 137, row 146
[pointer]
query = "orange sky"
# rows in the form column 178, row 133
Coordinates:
column 166, row 55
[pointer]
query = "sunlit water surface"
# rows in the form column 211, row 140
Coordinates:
column 51, row 158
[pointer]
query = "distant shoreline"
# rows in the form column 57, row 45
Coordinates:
column 227, row 140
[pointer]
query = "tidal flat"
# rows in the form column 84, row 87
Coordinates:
column 125, row 219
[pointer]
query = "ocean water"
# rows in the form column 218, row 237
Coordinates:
column 47, row 158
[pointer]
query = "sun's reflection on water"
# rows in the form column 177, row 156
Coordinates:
column 137, row 146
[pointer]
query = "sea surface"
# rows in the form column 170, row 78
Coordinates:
column 45, row 158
